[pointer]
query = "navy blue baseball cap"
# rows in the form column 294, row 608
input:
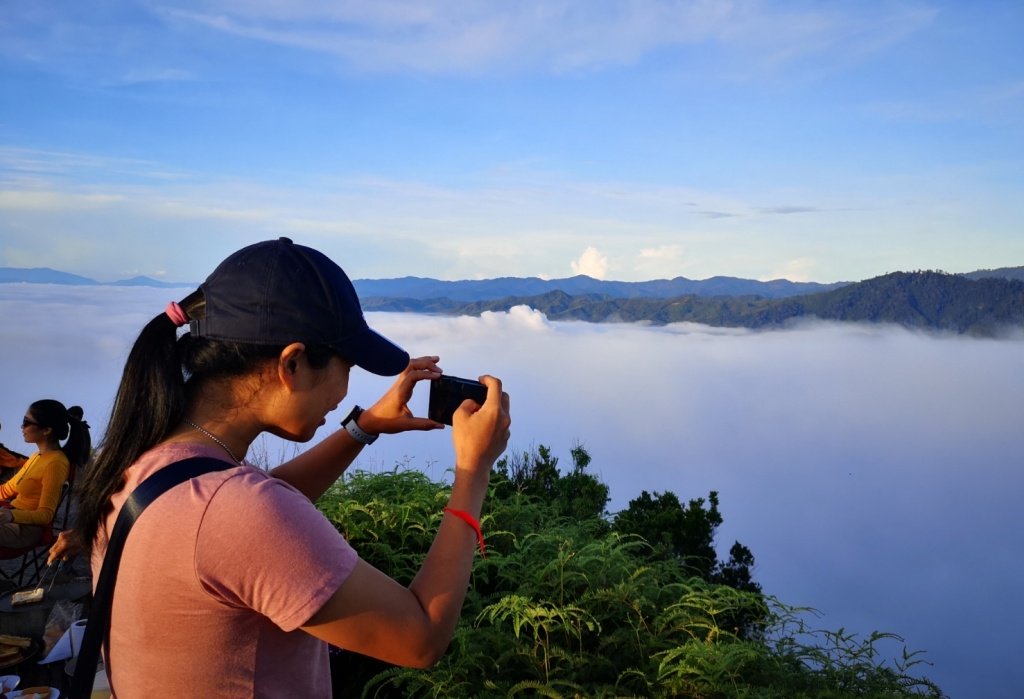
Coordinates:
column 277, row 292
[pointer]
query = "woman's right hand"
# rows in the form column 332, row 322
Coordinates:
column 372, row 614
column 481, row 433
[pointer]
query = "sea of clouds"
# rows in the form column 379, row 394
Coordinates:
column 874, row 472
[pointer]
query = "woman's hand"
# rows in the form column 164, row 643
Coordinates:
column 67, row 545
column 6, row 516
column 481, row 433
column 391, row 413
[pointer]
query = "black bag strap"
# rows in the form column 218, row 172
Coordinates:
column 97, row 629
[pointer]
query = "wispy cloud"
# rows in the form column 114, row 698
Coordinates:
column 469, row 37
column 505, row 221
column 155, row 75
column 21, row 163
column 788, row 210
column 51, row 201
column 1002, row 103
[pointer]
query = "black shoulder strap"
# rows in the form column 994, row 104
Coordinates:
column 98, row 626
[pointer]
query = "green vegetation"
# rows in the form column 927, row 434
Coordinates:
column 927, row 300
column 573, row 602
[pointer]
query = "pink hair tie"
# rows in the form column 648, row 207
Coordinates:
column 176, row 314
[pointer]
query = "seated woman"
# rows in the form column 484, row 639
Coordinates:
column 33, row 492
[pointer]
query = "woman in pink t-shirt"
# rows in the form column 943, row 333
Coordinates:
column 233, row 583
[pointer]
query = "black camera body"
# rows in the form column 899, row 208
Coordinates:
column 447, row 394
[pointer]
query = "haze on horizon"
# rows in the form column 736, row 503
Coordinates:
column 632, row 141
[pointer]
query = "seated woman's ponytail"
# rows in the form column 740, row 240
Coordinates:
column 78, row 448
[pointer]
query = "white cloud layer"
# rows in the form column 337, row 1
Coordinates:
column 874, row 472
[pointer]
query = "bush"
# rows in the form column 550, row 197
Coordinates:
column 566, row 605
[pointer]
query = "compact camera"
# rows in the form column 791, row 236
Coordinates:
column 447, row 394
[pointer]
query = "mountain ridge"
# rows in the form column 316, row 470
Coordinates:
column 983, row 307
column 501, row 287
column 467, row 290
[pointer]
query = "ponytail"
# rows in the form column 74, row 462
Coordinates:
column 78, row 448
column 150, row 402
column 161, row 375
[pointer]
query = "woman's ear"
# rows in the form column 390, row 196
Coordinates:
column 289, row 362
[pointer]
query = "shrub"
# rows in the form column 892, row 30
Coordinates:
column 566, row 605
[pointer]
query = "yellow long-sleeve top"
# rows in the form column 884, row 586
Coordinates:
column 36, row 487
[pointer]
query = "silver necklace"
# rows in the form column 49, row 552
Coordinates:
column 215, row 438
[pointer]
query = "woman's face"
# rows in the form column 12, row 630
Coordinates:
column 319, row 391
column 31, row 431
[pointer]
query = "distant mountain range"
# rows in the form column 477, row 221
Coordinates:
column 503, row 287
column 45, row 275
column 491, row 289
column 983, row 302
column 984, row 306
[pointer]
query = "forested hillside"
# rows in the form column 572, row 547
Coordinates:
column 926, row 300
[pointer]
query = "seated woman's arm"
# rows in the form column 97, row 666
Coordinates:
column 7, row 489
column 11, row 459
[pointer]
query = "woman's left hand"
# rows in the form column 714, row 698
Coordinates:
column 391, row 414
column 6, row 516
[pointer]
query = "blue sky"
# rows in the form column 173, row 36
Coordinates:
column 635, row 140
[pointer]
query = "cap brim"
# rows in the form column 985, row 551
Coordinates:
column 374, row 353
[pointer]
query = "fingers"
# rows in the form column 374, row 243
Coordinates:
column 422, row 424
column 419, row 369
column 391, row 414
column 498, row 403
column 496, row 398
column 57, row 552
column 68, row 544
column 424, row 364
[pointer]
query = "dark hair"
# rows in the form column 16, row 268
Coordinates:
column 52, row 413
column 160, row 378
column 79, row 445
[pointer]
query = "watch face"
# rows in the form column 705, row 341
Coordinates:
column 354, row 415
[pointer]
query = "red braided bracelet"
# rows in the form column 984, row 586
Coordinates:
column 472, row 522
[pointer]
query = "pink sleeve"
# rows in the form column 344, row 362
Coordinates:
column 263, row 545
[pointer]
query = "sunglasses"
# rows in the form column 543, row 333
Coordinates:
column 25, row 422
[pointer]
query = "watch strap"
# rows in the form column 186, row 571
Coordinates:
column 352, row 427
